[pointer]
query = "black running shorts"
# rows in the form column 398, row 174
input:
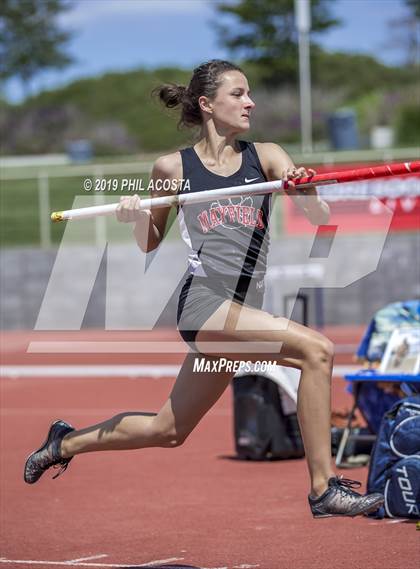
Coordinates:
column 201, row 296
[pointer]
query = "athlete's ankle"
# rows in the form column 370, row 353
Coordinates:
column 319, row 485
column 65, row 450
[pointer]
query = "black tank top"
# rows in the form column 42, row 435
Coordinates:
column 226, row 237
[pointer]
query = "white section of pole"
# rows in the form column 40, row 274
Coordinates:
column 303, row 24
column 174, row 200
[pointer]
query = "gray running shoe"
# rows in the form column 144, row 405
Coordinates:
column 340, row 500
column 48, row 454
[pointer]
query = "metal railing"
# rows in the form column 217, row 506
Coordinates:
column 42, row 175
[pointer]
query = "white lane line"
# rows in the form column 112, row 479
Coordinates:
column 108, row 347
column 129, row 347
column 82, row 564
column 91, row 558
column 160, row 561
column 152, row 371
column 143, row 371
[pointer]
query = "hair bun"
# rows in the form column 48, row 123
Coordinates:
column 171, row 94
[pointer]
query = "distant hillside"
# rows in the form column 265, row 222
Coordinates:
column 117, row 113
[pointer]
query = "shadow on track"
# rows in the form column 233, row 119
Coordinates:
column 162, row 567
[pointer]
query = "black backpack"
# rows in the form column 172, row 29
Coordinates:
column 262, row 430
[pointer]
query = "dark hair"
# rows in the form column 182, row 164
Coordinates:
column 205, row 81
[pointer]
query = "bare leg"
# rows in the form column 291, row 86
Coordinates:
column 302, row 348
column 193, row 394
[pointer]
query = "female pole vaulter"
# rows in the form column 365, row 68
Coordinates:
column 220, row 302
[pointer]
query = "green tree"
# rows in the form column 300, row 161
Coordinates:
column 413, row 31
column 264, row 33
column 405, row 33
column 30, row 38
column 414, row 7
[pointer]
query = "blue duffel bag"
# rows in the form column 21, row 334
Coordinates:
column 402, row 489
column 395, row 461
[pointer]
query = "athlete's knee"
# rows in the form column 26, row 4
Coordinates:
column 169, row 436
column 175, row 438
column 326, row 350
column 319, row 352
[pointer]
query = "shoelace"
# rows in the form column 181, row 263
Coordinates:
column 346, row 485
column 62, row 466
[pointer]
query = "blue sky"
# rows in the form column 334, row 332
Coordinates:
column 125, row 34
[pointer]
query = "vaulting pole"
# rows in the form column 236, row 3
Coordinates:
column 355, row 175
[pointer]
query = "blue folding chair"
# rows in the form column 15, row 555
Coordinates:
column 369, row 397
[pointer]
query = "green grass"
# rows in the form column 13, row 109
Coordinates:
column 20, row 213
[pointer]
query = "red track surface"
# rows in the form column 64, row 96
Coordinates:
column 193, row 506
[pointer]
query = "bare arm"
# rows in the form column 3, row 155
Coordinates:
column 150, row 224
column 278, row 165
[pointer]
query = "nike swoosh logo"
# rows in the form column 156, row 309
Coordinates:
column 251, row 180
